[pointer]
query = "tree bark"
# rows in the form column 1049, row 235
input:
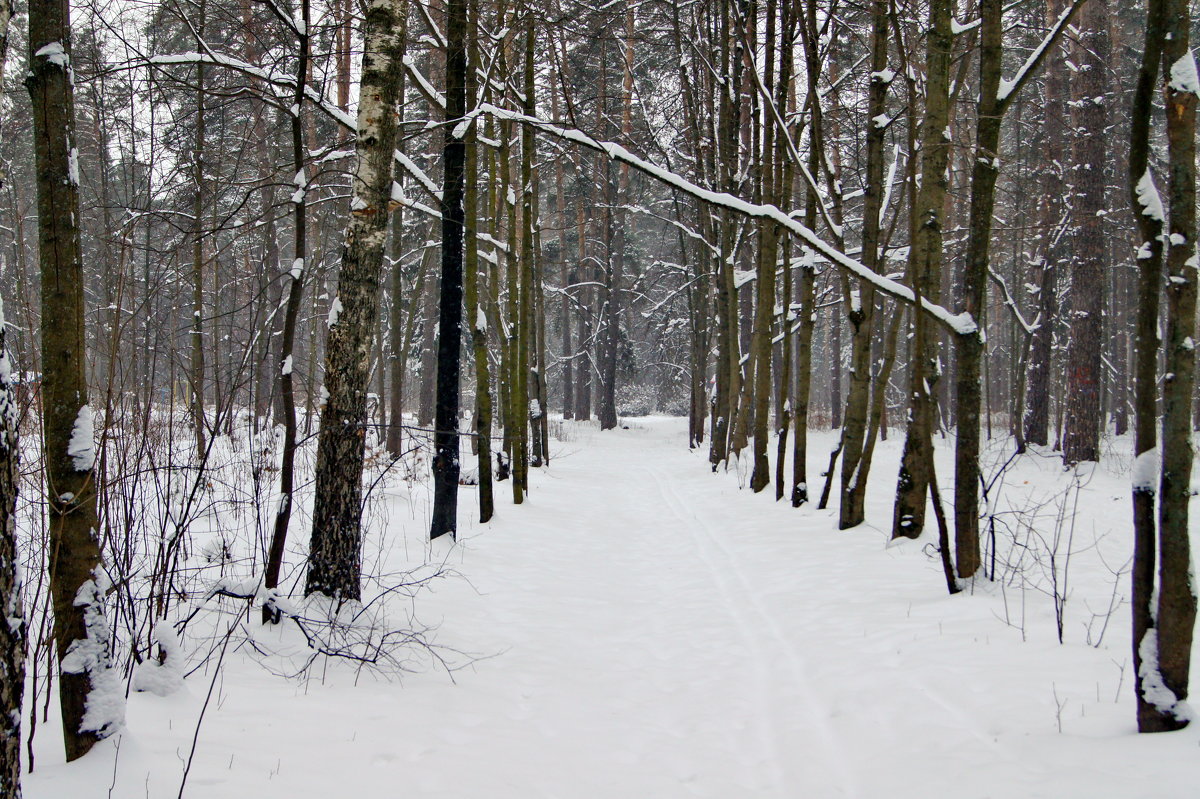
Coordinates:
column 1081, row 435
column 90, row 692
column 476, row 318
column 291, row 314
column 335, row 553
column 851, row 510
column 925, row 264
column 13, row 636
column 446, row 444
column 1176, row 616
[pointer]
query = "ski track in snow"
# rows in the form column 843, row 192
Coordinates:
column 647, row 630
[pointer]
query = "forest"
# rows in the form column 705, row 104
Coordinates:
column 695, row 365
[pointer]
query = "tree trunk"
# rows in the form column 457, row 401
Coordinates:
column 1081, row 435
column 1050, row 211
column 14, row 634
column 90, row 692
column 925, row 264
column 475, row 314
column 287, row 340
column 335, row 556
column 197, row 376
column 446, row 444
column 862, row 314
column 1176, row 611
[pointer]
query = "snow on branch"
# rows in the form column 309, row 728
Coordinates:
column 961, row 324
column 1009, row 88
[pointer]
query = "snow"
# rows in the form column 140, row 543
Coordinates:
column 642, row 627
column 105, row 704
column 1153, row 687
column 1144, row 476
column 335, row 310
column 165, row 677
column 1148, row 197
column 1183, row 75
column 1008, row 87
column 72, row 165
column 81, row 448
column 286, row 367
column 55, row 54
column 957, row 27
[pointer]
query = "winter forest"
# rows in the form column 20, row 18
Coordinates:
column 661, row 398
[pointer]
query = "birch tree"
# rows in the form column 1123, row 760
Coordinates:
column 335, row 553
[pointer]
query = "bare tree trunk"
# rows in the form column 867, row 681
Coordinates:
column 1147, row 208
column 291, row 314
column 14, row 634
column 1050, row 217
column 197, row 377
column 334, row 555
column 446, row 443
column 1176, row 612
column 475, row 313
column 567, row 277
column 925, row 264
column 862, row 313
column 397, row 342
column 89, row 690
column 1081, row 435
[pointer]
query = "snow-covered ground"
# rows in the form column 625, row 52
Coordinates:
column 641, row 627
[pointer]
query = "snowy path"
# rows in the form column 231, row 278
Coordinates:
column 657, row 632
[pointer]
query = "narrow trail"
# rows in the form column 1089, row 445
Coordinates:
column 645, row 629
column 669, row 582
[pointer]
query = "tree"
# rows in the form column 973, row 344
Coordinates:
column 1089, row 88
column 445, row 458
column 295, row 295
column 91, row 695
column 925, row 265
column 335, row 553
column 12, row 634
column 995, row 99
column 1164, row 609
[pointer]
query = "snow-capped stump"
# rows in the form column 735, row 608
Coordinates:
column 161, row 675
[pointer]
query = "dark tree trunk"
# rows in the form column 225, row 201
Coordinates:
column 970, row 349
column 445, row 459
column 1147, row 208
column 287, row 340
